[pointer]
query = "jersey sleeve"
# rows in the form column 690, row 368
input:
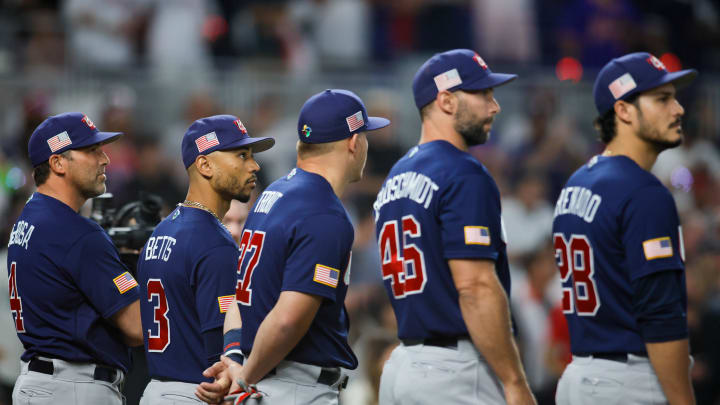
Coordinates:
column 470, row 218
column 318, row 256
column 215, row 279
column 95, row 266
column 651, row 232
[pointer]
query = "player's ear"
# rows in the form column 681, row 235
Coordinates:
column 624, row 111
column 353, row 142
column 58, row 165
column 203, row 166
column 447, row 102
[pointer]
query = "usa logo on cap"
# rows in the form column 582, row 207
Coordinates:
column 480, row 61
column 241, row 127
column 657, row 63
column 206, row 142
column 87, row 122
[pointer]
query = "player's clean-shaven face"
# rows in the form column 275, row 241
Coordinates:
column 660, row 117
column 86, row 170
column 234, row 175
column 475, row 114
column 360, row 156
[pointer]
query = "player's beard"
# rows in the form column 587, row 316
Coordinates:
column 470, row 127
column 231, row 188
column 654, row 137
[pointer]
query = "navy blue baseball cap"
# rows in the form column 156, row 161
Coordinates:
column 335, row 114
column 458, row 69
column 63, row 132
column 634, row 73
column 219, row 132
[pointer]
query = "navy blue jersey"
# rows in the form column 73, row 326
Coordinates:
column 66, row 281
column 187, row 272
column 298, row 237
column 437, row 203
column 614, row 223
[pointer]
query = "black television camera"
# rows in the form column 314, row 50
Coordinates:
column 130, row 226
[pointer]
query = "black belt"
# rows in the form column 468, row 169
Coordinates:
column 102, row 373
column 328, row 376
column 450, row 342
column 612, row 356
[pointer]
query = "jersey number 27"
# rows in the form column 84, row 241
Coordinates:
column 398, row 257
column 250, row 241
column 575, row 258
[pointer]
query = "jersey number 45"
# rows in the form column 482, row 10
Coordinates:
column 575, row 258
column 403, row 263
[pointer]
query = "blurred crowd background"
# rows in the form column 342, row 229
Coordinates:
column 149, row 68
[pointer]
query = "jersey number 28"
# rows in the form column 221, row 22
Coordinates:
column 398, row 257
column 575, row 258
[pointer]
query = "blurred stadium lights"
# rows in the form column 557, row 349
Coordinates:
column 671, row 62
column 569, row 68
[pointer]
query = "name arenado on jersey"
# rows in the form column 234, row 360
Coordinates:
column 415, row 186
column 578, row 201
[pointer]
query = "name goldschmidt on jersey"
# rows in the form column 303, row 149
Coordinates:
column 412, row 185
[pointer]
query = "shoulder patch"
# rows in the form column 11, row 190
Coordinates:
column 658, row 248
column 326, row 275
column 477, row 235
column 125, row 282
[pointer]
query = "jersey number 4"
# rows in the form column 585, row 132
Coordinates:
column 15, row 300
column 250, row 241
column 403, row 263
column 575, row 258
column 160, row 341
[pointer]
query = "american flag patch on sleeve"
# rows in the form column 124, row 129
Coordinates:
column 125, row 282
column 224, row 302
column 206, row 142
column 326, row 275
column 477, row 235
column 658, row 248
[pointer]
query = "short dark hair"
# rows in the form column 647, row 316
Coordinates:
column 41, row 172
column 605, row 124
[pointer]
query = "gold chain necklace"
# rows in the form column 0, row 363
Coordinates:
column 195, row 204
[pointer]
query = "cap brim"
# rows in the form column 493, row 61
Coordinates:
column 680, row 78
column 98, row 137
column 376, row 123
column 256, row 144
column 489, row 81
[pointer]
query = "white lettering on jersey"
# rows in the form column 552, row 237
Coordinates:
column 578, row 201
column 414, row 186
column 20, row 234
column 266, row 201
column 159, row 248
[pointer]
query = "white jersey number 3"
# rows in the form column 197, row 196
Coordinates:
column 402, row 262
column 575, row 257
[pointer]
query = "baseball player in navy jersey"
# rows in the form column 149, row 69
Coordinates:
column 188, row 267
column 442, row 249
column 74, row 303
column 618, row 246
column 295, row 264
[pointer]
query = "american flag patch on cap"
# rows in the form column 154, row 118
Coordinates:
column 477, row 235
column 59, row 141
column 658, row 248
column 326, row 275
column 206, row 142
column 224, row 302
column 623, row 84
column 125, row 282
column 446, row 80
column 355, row 121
